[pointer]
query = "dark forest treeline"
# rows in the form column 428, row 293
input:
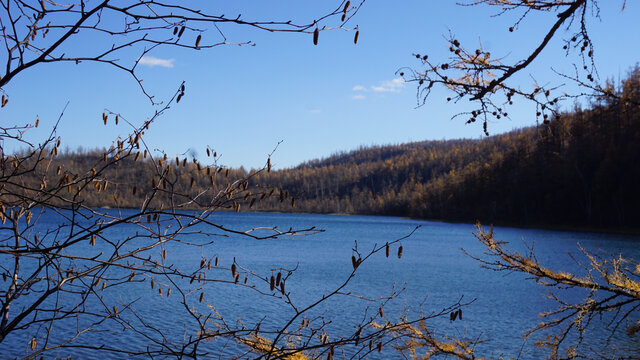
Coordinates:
column 579, row 169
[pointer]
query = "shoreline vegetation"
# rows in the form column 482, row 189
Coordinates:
column 574, row 172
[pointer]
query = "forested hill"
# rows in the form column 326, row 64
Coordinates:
column 580, row 169
column 378, row 153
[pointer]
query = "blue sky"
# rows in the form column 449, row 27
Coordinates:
column 317, row 100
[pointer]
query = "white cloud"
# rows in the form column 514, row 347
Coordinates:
column 154, row 61
column 315, row 111
column 394, row 85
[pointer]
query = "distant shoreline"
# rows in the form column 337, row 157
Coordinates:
column 567, row 228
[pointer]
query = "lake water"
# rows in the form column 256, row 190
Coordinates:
column 433, row 270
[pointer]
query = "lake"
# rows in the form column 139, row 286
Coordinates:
column 433, row 270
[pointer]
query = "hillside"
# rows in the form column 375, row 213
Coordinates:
column 579, row 169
